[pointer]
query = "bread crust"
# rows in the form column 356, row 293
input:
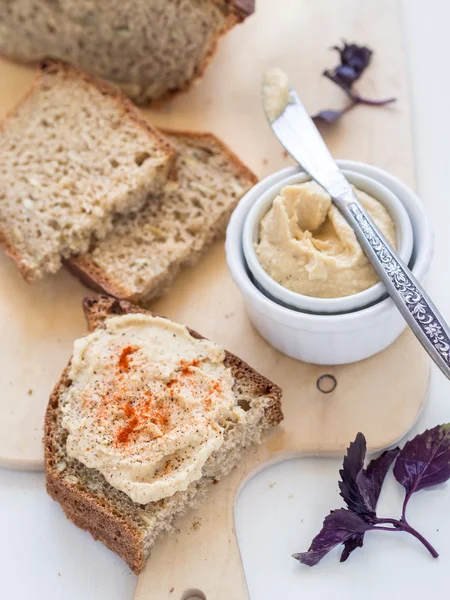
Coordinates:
column 208, row 136
column 88, row 511
column 124, row 105
column 239, row 11
column 231, row 20
column 95, row 278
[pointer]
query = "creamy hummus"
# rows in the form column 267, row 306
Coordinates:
column 147, row 405
column 275, row 93
column 307, row 246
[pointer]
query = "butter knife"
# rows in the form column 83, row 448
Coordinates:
column 298, row 134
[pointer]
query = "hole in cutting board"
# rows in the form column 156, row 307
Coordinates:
column 193, row 595
column 326, row 383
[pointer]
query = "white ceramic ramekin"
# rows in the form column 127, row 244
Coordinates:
column 250, row 236
column 327, row 339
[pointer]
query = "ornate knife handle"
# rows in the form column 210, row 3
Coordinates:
column 412, row 301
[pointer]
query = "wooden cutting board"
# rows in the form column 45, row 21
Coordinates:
column 381, row 396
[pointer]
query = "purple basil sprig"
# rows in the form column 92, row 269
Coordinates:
column 423, row 462
column 354, row 61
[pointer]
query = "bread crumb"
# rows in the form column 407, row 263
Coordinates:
column 30, row 392
column 271, row 485
column 215, row 481
column 171, row 590
column 265, row 161
column 285, row 154
column 196, row 524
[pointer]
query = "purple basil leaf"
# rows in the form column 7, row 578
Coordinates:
column 360, row 488
column 370, row 480
column 341, row 80
column 348, row 486
column 329, row 116
column 351, row 545
column 357, row 58
column 425, row 460
column 339, row 527
column 342, row 75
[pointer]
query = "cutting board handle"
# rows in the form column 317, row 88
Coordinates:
column 201, row 560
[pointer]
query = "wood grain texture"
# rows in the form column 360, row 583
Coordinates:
column 38, row 323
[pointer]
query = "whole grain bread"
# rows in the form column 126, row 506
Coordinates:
column 139, row 260
column 73, row 153
column 127, row 528
column 151, row 48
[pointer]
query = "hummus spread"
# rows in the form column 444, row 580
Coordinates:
column 147, row 405
column 307, row 246
column 275, row 93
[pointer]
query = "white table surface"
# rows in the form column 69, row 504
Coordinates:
column 43, row 556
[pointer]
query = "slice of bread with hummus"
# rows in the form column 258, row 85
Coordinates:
column 145, row 418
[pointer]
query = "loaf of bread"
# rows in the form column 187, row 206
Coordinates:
column 73, row 153
column 150, row 47
column 144, row 252
column 110, row 515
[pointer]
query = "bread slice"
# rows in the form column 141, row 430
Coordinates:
column 151, row 48
column 127, row 528
column 141, row 257
column 73, row 153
